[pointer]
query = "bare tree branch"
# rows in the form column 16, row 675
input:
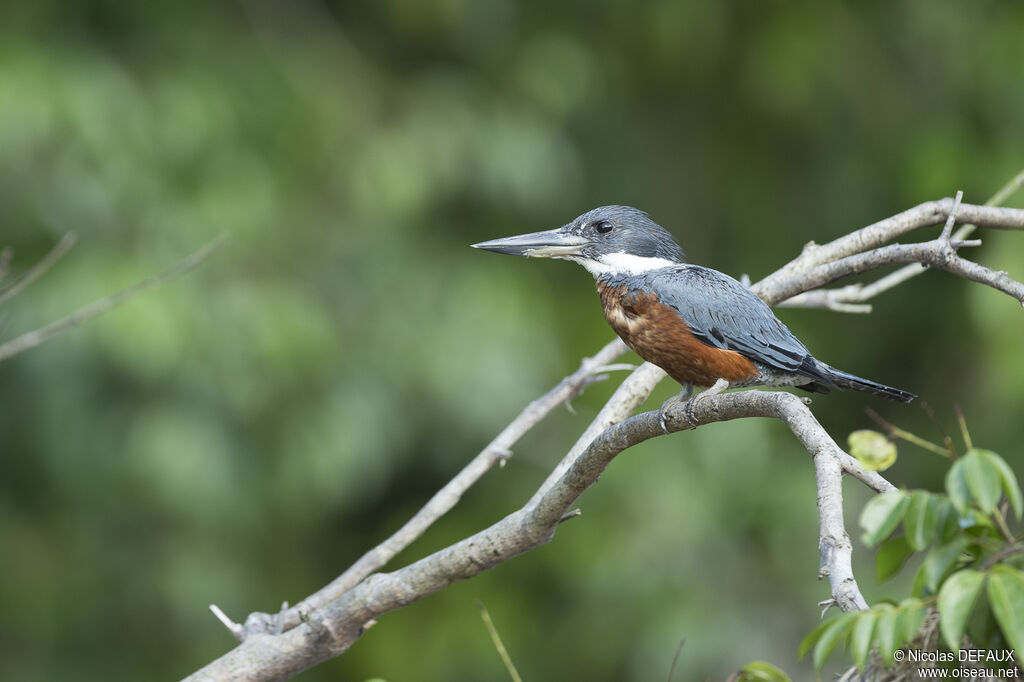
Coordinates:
column 267, row 654
column 850, row 299
column 496, row 639
column 947, row 229
column 938, row 253
column 32, row 339
column 6, row 254
column 873, row 236
column 629, row 396
column 37, row 270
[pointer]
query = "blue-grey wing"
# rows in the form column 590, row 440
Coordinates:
column 724, row 314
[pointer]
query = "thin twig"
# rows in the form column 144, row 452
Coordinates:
column 1007, row 190
column 675, row 659
column 568, row 516
column 618, row 367
column 1004, row 528
column 896, row 432
column 946, row 440
column 963, row 427
column 496, row 639
column 37, row 270
column 231, row 625
column 850, row 299
column 947, row 229
column 997, row 199
column 32, row 339
column 5, row 261
column 1005, row 553
column 829, row 299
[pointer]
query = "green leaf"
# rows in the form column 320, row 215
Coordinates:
column 812, row 638
column 983, row 479
column 832, row 635
column 912, row 615
column 759, row 671
column 978, row 524
column 938, row 560
column 888, row 634
column 1006, row 597
column 860, row 638
column 956, row 599
column 872, row 449
column 891, row 556
column 982, row 628
column 920, row 586
column 956, row 486
column 920, row 519
column 881, row 515
column 947, row 519
column 1010, row 485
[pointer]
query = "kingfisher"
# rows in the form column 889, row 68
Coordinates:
column 700, row 325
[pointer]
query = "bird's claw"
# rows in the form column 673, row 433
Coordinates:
column 672, row 402
column 691, row 403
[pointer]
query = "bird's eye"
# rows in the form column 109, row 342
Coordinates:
column 603, row 227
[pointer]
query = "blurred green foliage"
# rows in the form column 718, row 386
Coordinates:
column 241, row 435
column 971, row 542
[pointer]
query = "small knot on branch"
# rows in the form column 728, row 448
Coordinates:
column 258, row 623
column 964, row 243
column 570, row 515
column 321, row 632
column 501, row 454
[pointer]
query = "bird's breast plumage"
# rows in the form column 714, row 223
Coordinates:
column 660, row 335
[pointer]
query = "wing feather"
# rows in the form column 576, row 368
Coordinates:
column 724, row 314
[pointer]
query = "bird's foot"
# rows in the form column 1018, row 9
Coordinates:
column 719, row 387
column 680, row 397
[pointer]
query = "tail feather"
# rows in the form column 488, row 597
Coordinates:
column 842, row 379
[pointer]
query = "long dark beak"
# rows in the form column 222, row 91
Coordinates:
column 547, row 244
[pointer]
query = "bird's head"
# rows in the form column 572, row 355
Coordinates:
column 607, row 241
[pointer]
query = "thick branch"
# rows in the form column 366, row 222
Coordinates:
column 629, row 396
column 333, row 629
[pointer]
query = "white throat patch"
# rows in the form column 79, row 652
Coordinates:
column 623, row 264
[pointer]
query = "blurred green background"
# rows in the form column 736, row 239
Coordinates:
column 243, row 434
